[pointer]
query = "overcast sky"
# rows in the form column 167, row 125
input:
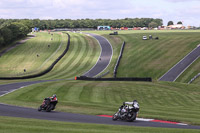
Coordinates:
column 187, row 11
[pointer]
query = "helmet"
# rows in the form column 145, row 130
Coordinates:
column 54, row 95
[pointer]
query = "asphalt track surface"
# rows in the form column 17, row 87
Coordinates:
column 104, row 58
column 181, row 66
column 15, row 111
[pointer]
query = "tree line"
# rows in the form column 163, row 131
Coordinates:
column 12, row 29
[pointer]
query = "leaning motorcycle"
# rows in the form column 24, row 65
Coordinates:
column 48, row 104
column 127, row 112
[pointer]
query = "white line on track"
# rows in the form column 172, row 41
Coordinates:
column 12, row 91
column 151, row 120
column 143, row 119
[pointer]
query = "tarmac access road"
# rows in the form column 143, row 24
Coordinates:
column 181, row 66
column 104, row 58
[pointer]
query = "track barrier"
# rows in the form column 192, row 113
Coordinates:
column 195, row 77
column 118, row 60
column 148, row 79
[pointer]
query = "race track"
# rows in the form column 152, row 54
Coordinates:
column 106, row 55
column 181, row 66
column 104, row 58
column 14, row 111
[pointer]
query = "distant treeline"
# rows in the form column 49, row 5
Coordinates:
column 12, row 29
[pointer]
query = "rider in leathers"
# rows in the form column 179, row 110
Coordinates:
column 48, row 99
column 123, row 106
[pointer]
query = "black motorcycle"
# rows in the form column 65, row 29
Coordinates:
column 48, row 104
column 126, row 112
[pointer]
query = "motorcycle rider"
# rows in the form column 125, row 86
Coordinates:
column 49, row 99
column 123, row 107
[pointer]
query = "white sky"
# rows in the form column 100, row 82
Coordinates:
column 175, row 10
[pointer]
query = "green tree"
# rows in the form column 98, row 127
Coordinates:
column 179, row 22
column 7, row 35
column 18, row 29
column 1, row 41
column 153, row 25
column 170, row 23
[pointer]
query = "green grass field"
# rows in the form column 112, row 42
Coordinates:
column 166, row 101
column 152, row 58
column 25, row 56
column 82, row 55
column 21, row 125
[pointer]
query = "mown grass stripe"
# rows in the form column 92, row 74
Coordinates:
column 167, row 101
column 73, row 60
column 70, row 57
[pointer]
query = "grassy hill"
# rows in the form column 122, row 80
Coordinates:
column 141, row 58
column 153, row 58
column 34, row 55
column 82, row 55
column 162, row 100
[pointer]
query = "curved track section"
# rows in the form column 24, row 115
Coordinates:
column 181, row 66
column 14, row 111
column 104, row 58
column 106, row 55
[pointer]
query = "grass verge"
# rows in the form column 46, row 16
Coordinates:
column 22, row 125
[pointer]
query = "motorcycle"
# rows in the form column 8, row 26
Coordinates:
column 127, row 112
column 48, row 104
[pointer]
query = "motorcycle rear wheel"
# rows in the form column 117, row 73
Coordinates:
column 50, row 107
column 132, row 117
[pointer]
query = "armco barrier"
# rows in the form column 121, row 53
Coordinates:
column 114, row 79
column 118, row 60
column 195, row 77
column 45, row 71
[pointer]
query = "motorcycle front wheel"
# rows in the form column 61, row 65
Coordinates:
column 115, row 117
column 39, row 108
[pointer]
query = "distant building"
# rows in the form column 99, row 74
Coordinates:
column 103, row 28
column 177, row 26
column 191, row 27
column 35, row 29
